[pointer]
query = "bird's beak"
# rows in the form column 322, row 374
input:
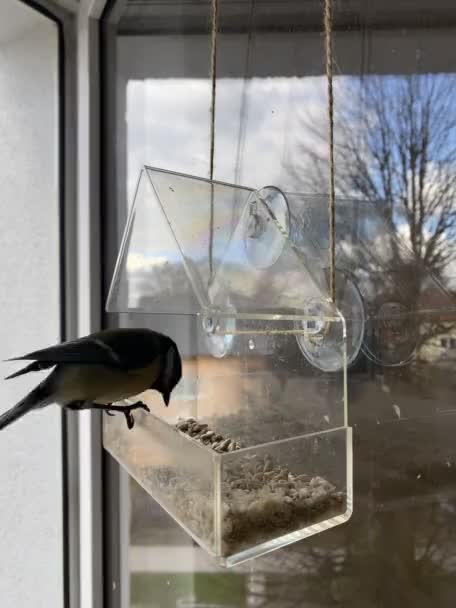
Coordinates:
column 166, row 397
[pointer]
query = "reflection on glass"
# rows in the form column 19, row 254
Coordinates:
column 395, row 145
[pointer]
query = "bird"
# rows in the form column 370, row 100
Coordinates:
column 100, row 369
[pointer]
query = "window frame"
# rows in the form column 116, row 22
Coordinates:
column 64, row 19
column 115, row 479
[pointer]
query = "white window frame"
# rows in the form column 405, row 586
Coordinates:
column 81, row 432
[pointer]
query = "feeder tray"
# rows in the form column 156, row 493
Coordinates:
column 254, row 451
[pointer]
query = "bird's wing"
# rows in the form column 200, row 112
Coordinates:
column 36, row 366
column 90, row 350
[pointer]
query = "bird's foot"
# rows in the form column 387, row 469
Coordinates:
column 111, row 409
column 127, row 411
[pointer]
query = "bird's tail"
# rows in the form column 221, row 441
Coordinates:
column 38, row 396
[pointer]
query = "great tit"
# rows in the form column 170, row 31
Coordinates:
column 99, row 369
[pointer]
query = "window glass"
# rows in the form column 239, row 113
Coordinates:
column 395, row 129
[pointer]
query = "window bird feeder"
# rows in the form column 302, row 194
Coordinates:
column 389, row 299
column 254, row 451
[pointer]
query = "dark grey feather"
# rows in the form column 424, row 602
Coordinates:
column 88, row 350
column 36, row 366
column 34, row 399
column 125, row 348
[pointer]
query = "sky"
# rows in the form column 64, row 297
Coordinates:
column 260, row 133
column 168, row 126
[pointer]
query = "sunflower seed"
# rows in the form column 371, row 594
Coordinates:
column 224, row 445
column 208, row 435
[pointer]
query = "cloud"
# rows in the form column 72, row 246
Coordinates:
column 137, row 262
column 168, row 126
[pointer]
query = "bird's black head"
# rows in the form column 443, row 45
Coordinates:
column 171, row 370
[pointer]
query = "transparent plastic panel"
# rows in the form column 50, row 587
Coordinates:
column 283, row 491
column 149, row 273
column 193, row 245
column 269, row 444
column 263, row 388
column 172, row 468
column 255, row 391
column 262, row 273
column 245, row 503
column 167, row 254
column 389, row 296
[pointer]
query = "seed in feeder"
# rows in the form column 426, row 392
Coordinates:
column 318, row 496
column 267, row 464
column 224, row 445
column 304, row 493
column 281, row 483
column 260, row 498
column 202, row 428
column 316, row 481
column 227, row 527
column 207, row 435
column 182, row 425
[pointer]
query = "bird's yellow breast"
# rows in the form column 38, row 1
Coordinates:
column 103, row 384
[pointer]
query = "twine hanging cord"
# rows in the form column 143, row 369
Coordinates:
column 328, row 15
column 214, row 29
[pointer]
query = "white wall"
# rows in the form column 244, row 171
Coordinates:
column 31, row 542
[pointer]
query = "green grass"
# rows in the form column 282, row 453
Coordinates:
column 165, row 590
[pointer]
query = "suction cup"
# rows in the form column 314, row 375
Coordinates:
column 267, row 227
column 350, row 303
column 217, row 336
column 391, row 335
column 321, row 343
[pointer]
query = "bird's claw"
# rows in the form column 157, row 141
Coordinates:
column 129, row 408
column 127, row 411
column 130, row 420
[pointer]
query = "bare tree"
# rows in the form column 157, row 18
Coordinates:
column 396, row 147
column 407, row 158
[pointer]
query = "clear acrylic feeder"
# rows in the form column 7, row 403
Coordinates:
column 266, row 457
column 389, row 298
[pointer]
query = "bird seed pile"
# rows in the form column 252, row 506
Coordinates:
column 202, row 433
column 261, row 499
